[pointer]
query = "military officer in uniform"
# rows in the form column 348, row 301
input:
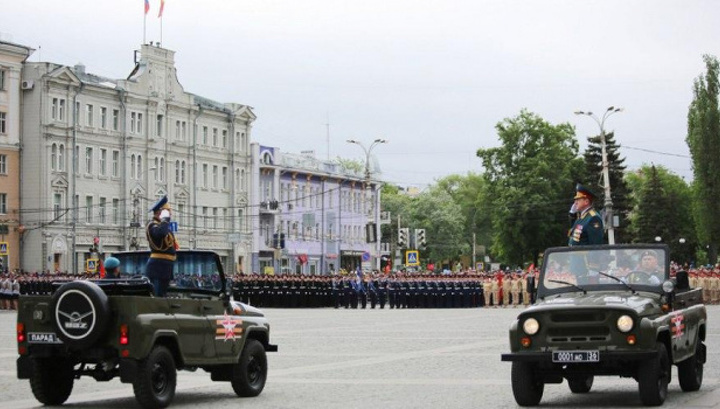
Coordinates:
column 588, row 227
column 159, row 268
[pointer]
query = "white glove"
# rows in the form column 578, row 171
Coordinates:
column 165, row 215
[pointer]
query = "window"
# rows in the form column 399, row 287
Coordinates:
column 139, row 166
column 177, row 129
column 88, row 160
column 205, row 135
column 89, row 115
column 237, row 179
column 76, row 159
column 61, row 110
column 3, row 123
column 182, row 172
column 215, row 177
column 215, row 217
column 116, row 119
column 132, row 166
column 181, row 213
column 116, row 211
column 88, row 209
column 184, row 130
column 177, row 171
column 102, row 210
column 116, row 163
column 103, row 162
column 132, row 122
column 139, row 123
column 2, row 79
column 215, row 137
column 205, row 216
column 224, row 138
column 241, row 221
column 103, row 117
column 224, row 177
column 53, row 108
column 157, row 164
column 3, row 203
column 205, row 175
column 57, row 204
column 53, row 157
column 61, row 158
column 77, row 112
column 158, row 127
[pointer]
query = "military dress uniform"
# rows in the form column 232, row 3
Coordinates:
column 588, row 227
column 159, row 268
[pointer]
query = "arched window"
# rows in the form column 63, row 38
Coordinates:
column 61, row 157
column 132, row 166
column 53, row 157
column 177, row 171
column 182, row 172
column 139, row 166
column 162, row 169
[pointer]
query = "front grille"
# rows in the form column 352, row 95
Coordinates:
column 578, row 326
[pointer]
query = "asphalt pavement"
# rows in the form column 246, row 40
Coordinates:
column 418, row 358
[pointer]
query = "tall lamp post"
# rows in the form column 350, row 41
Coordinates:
column 606, row 172
column 367, row 151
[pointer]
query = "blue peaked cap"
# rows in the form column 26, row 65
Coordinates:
column 159, row 204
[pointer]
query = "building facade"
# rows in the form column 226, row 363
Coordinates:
column 97, row 152
column 12, row 57
column 312, row 216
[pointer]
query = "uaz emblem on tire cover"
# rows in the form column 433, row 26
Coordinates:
column 75, row 314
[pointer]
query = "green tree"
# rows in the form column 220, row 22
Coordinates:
column 703, row 138
column 441, row 216
column 662, row 207
column 530, row 180
column 616, row 171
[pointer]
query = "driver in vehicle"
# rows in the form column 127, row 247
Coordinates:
column 649, row 270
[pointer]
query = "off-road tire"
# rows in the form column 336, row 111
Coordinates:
column 654, row 377
column 526, row 386
column 156, row 379
column 690, row 371
column 71, row 304
column 581, row 384
column 250, row 373
column 52, row 380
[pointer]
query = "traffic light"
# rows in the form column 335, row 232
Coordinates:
column 403, row 234
column 420, row 241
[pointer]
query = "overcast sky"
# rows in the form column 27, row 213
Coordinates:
column 431, row 77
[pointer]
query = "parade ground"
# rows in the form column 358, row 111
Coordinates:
column 409, row 358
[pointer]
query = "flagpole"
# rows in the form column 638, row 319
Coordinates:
column 161, row 19
column 144, row 27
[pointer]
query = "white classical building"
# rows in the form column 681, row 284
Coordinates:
column 97, row 152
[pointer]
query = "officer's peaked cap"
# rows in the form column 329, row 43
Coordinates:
column 582, row 192
column 160, row 204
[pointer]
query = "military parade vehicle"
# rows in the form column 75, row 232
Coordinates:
column 609, row 310
column 116, row 328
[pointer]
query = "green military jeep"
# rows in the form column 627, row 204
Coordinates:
column 117, row 328
column 609, row 310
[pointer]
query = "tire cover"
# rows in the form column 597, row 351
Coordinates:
column 80, row 313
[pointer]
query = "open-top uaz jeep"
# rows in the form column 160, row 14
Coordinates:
column 608, row 310
column 117, row 328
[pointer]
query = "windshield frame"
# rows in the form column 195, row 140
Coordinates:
column 543, row 291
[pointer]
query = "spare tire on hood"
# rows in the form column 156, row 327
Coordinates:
column 80, row 313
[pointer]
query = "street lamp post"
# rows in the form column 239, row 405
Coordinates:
column 367, row 151
column 606, row 172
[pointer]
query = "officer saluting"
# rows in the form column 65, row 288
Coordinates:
column 163, row 245
column 588, row 227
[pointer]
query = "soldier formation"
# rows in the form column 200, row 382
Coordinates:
column 465, row 289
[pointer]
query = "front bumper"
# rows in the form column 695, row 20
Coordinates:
column 611, row 363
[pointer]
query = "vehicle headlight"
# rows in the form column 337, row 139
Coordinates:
column 668, row 286
column 625, row 323
column 531, row 326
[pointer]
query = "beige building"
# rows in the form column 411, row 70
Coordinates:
column 97, row 152
column 12, row 57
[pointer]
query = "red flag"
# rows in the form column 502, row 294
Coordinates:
column 147, row 6
column 162, row 7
